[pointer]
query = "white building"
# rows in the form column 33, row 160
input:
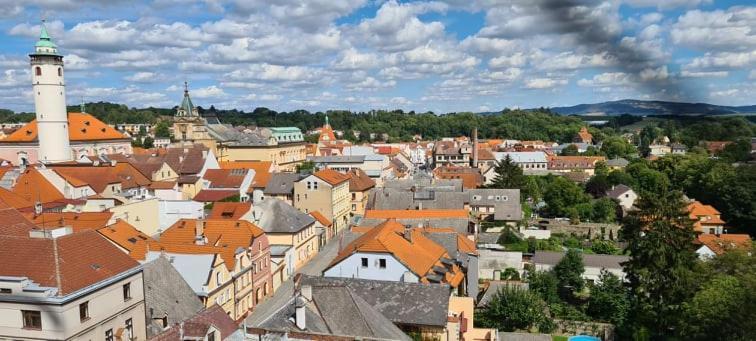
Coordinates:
column 530, row 162
column 624, row 195
column 546, row 260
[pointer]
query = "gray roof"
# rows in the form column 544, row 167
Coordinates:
column 278, row 249
column 337, row 159
column 193, row 268
column 617, row 191
column 281, row 183
column 593, row 261
column 403, row 303
column 276, row 216
column 488, row 237
column 617, row 162
column 494, row 287
column 167, row 294
column 506, row 336
column 426, row 183
column 338, row 311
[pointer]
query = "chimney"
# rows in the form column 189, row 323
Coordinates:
column 475, row 147
column 306, row 292
column 299, row 312
column 408, row 233
column 199, row 232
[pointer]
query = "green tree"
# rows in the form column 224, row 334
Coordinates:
column 162, row 129
column 508, row 175
column 510, row 274
column 598, row 185
column 609, row 301
column 604, row 210
column 616, row 146
column 569, row 271
column 562, row 194
column 659, row 239
column 570, row 150
column 508, row 236
column 604, row 247
column 716, row 312
column 544, row 283
column 306, row 167
column 148, row 142
column 512, row 308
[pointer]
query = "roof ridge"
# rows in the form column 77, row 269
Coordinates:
column 57, row 265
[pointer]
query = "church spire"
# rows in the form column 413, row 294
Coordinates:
column 45, row 45
column 326, row 120
column 187, row 107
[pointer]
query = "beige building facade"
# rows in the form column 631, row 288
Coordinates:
column 327, row 192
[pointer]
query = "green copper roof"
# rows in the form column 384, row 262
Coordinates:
column 186, row 104
column 44, row 39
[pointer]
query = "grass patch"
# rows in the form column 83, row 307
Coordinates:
column 559, row 338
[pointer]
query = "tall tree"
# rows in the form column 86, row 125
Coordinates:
column 512, row 308
column 508, row 174
column 609, row 301
column 659, row 240
column 569, row 272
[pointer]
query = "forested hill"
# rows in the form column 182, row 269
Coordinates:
column 643, row 108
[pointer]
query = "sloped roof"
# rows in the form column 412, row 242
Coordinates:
column 130, row 176
column 225, row 178
column 617, row 191
column 14, row 200
column 282, row 183
column 128, row 237
column 13, row 222
column 590, row 260
column 321, row 218
column 212, row 195
column 69, row 262
column 559, row 162
column 162, row 185
column 78, row 221
column 81, row 127
column 331, row 176
column 261, row 168
column 96, row 177
column 229, row 210
column 722, row 243
column 416, row 214
column 33, row 186
column 214, row 316
column 276, row 216
column 167, row 293
column 359, row 181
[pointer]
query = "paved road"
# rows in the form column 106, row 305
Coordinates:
column 284, row 293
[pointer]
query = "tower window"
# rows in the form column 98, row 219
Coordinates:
column 38, row 71
column 60, row 72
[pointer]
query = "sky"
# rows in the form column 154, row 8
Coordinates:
column 440, row 56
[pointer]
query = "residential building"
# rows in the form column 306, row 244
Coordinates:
column 281, row 186
column 567, row 164
column 624, row 195
column 532, row 163
column 457, row 219
column 546, row 260
column 617, row 163
column 712, row 245
column 60, row 285
column 285, row 225
column 360, row 185
column 392, row 252
column 238, row 180
column 471, row 177
column 376, row 166
column 496, row 204
column 208, row 325
column 659, row 149
column 678, row 148
column 325, row 191
column 583, row 136
column 168, row 299
column 452, row 153
column 706, row 219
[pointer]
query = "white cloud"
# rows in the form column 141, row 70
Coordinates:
column 209, row 92
column 606, row 79
column 102, row 36
column 544, row 83
column 667, row 4
column 727, row 60
column 396, row 27
column 370, row 83
column 518, row 59
column 720, row 29
column 704, row 74
column 142, row 77
column 654, row 74
column 752, row 75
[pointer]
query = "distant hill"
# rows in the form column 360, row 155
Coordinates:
column 642, row 108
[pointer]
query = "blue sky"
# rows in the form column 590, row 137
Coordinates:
column 452, row 55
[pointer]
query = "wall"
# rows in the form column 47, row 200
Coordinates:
column 590, row 273
column 492, row 262
column 170, row 211
column 309, row 200
column 143, row 215
column 351, row 267
column 107, row 310
column 286, row 156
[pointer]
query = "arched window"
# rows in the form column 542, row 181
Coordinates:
column 38, row 71
column 60, row 72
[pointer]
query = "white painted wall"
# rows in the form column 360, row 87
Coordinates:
column 491, row 261
column 590, row 274
column 170, row 211
column 351, row 267
column 49, row 90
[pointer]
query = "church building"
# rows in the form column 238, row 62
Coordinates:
column 55, row 135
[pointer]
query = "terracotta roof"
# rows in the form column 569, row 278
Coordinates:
column 212, row 195
column 229, row 210
column 326, row 134
column 81, row 127
column 69, row 262
column 188, row 179
column 471, row 177
column 130, row 176
column 82, row 221
column 163, row 185
column 359, row 181
column 198, row 325
column 99, row 178
column 486, row 154
column 33, row 186
column 320, row 218
column 722, row 243
column 415, row 214
column 584, row 135
column 574, row 162
column 13, row 222
column 409, row 246
column 127, row 237
column 14, row 200
column 716, row 146
column 225, row 178
column 331, row 176
column 697, row 209
column 261, row 168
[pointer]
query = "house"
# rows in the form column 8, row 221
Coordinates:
column 230, row 210
column 325, row 191
column 471, row 177
column 208, row 324
column 128, row 239
column 567, row 164
column 457, row 219
column 714, row 147
column 285, row 225
column 496, row 204
column 583, row 136
column 262, row 173
column 659, row 149
column 706, row 219
column 579, row 146
column 281, row 186
column 376, row 166
column 532, row 163
column 170, row 211
column 712, row 245
column 58, row 284
column 546, row 260
column 678, row 148
column 451, row 153
column 226, row 262
column 238, row 180
column 168, row 299
column 393, row 252
column 359, row 186
column 617, row 163
column 624, row 195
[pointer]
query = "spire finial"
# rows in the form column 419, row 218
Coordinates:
column 328, row 124
column 186, row 87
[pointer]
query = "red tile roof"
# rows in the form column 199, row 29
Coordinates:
column 331, row 176
column 33, row 186
column 359, row 181
column 13, row 222
column 212, row 195
column 225, row 178
column 99, row 178
column 163, row 185
column 229, row 210
column 198, row 325
column 81, row 127
column 722, row 243
column 321, row 218
column 261, row 168
column 69, row 263
column 128, row 237
column 77, row 221
column 574, row 162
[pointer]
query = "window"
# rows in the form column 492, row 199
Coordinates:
column 6, row 291
column 38, row 71
column 84, row 311
column 32, row 319
column 218, row 278
column 382, row 263
column 354, row 196
column 309, row 185
column 364, row 262
column 109, row 335
column 127, row 291
column 60, row 72
column 211, row 336
column 129, row 329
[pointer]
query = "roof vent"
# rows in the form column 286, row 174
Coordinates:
column 86, row 123
column 83, row 130
column 96, row 266
column 102, row 130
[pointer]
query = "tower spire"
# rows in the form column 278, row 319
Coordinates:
column 326, row 120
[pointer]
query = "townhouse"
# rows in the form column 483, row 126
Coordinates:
column 325, row 191
column 360, row 185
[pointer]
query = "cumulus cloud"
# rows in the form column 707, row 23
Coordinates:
column 720, row 29
column 544, row 83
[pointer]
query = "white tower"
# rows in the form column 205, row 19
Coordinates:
column 50, row 101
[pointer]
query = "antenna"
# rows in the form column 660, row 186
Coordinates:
column 83, row 106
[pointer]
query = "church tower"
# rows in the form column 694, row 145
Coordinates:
column 50, row 101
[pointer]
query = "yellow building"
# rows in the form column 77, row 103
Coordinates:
column 325, row 191
column 360, row 185
column 285, row 225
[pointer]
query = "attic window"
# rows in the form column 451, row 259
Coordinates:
column 96, row 266
column 102, row 130
column 28, row 132
column 132, row 240
column 86, row 123
column 83, row 130
column 142, row 237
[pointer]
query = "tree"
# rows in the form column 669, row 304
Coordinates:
column 512, row 308
column 615, row 147
column 569, row 271
column 306, row 167
column 508, row 174
column 598, row 185
column 561, row 194
column 659, row 239
column 162, row 129
column 544, row 283
column 609, row 301
column 604, row 247
column 570, row 150
column 604, row 210
column 716, row 312
column 508, row 236
column 510, row 274
column 148, row 142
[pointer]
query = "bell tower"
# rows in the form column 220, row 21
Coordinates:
column 50, row 101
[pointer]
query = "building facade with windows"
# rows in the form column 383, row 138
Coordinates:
column 325, row 191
